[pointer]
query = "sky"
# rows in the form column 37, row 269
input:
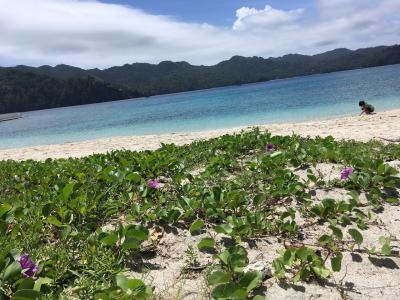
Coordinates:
column 215, row 12
column 94, row 33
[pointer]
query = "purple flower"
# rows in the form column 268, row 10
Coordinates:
column 344, row 175
column 153, row 183
column 29, row 268
column 270, row 147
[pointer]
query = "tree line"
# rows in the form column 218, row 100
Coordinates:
column 25, row 88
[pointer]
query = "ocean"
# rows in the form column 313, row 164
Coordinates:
column 287, row 100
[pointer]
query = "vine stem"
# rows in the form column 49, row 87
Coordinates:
column 327, row 256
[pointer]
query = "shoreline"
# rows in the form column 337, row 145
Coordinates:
column 10, row 116
column 382, row 125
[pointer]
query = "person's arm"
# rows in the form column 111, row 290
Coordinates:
column 362, row 111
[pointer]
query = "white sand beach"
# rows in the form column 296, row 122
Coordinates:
column 380, row 126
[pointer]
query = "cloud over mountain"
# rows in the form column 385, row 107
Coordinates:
column 95, row 34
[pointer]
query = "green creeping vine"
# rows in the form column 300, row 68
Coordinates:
column 56, row 215
column 229, row 280
column 303, row 262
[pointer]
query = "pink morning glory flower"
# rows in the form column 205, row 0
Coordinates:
column 270, row 147
column 344, row 175
column 29, row 268
column 153, row 183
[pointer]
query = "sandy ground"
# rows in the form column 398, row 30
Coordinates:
column 381, row 125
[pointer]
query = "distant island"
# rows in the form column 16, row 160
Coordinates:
column 24, row 88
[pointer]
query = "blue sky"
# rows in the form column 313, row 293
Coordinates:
column 216, row 12
column 104, row 33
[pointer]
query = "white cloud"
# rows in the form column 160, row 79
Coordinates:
column 250, row 18
column 89, row 33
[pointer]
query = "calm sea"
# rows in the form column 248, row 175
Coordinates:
column 295, row 99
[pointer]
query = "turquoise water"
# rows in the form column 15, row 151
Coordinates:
column 295, row 99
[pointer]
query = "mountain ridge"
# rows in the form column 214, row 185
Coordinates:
column 145, row 79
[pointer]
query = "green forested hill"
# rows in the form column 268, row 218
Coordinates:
column 23, row 91
column 73, row 85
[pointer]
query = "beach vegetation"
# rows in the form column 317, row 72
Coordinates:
column 76, row 228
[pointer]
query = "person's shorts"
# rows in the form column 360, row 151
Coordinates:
column 369, row 109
